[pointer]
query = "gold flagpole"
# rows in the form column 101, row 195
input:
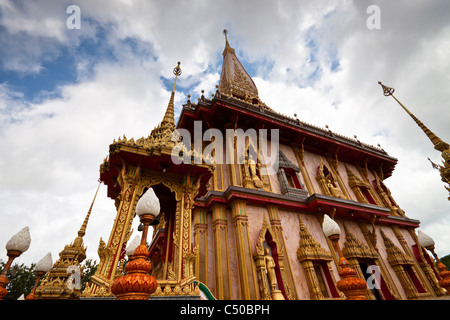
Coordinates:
column 439, row 145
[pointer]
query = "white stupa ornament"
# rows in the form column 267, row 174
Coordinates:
column 133, row 245
column 20, row 241
column 330, row 227
column 424, row 239
column 148, row 204
column 45, row 264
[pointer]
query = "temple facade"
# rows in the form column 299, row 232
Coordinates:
column 243, row 220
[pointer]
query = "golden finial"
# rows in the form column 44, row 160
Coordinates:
column 227, row 45
column 387, row 91
column 177, row 70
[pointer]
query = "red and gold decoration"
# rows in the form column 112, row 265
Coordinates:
column 137, row 284
column 18, row 244
column 428, row 243
column 354, row 288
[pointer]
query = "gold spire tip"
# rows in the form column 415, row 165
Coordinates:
column 225, row 32
column 177, row 69
column 387, row 91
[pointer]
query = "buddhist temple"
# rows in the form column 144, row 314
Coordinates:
column 296, row 214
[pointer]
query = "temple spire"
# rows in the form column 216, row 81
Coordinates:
column 169, row 116
column 234, row 80
column 161, row 135
column 59, row 281
column 82, row 230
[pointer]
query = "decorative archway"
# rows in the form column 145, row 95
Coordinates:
column 269, row 260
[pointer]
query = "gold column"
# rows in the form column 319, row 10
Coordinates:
column 234, row 168
column 120, row 233
column 201, row 241
column 221, row 257
column 299, row 154
column 247, row 276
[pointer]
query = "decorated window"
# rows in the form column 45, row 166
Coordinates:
column 290, row 183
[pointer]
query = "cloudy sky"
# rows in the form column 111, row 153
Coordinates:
column 65, row 94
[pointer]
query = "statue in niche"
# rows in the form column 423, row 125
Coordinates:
column 253, row 171
column 334, row 190
column 269, row 263
column 270, row 266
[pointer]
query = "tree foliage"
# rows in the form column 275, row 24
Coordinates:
column 446, row 261
column 21, row 280
column 89, row 269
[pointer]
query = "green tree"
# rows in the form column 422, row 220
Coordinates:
column 446, row 261
column 89, row 269
column 21, row 280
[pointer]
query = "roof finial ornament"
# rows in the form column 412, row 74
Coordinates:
column 227, row 45
column 177, row 70
column 387, row 91
column 439, row 145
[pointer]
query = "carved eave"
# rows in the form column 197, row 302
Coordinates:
column 309, row 248
column 345, row 209
column 395, row 256
column 353, row 248
column 150, row 156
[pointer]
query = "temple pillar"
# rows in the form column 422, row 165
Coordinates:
column 221, row 257
column 299, row 154
column 201, row 242
column 111, row 253
column 247, row 276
